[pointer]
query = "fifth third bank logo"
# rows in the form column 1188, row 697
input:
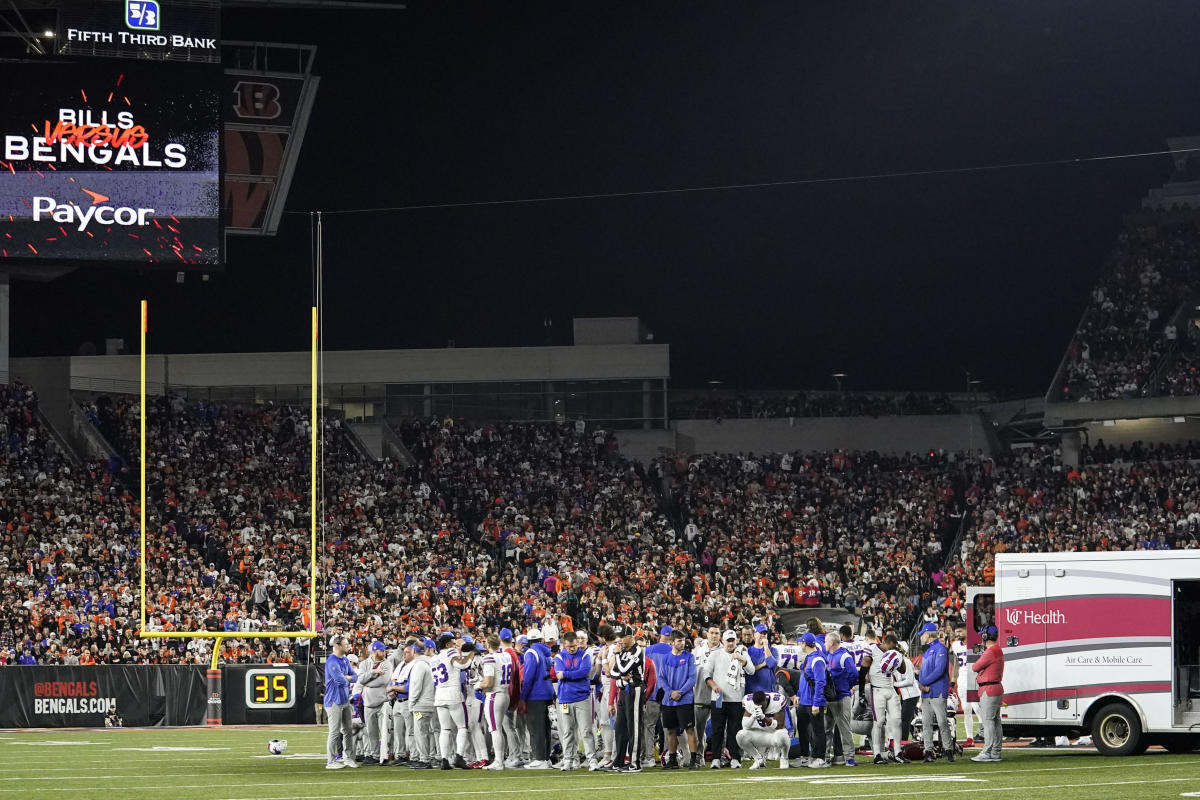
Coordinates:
column 142, row 15
column 1018, row 616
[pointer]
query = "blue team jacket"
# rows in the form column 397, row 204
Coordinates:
column 935, row 670
column 338, row 677
column 843, row 671
column 812, row 682
column 535, row 673
column 677, row 673
column 763, row 680
column 573, row 675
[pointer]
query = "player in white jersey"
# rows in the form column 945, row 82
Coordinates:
column 495, row 682
column 604, row 716
column 886, row 660
column 958, row 650
column 763, row 728
column 476, row 728
column 449, row 701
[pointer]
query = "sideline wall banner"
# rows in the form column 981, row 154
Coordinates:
column 103, row 696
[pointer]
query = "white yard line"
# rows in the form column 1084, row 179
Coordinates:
column 965, row 791
column 628, row 785
column 784, row 776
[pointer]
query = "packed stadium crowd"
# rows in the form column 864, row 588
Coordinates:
column 723, row 405
column 513, row 525
column 1031, row 502
column 1129, row 324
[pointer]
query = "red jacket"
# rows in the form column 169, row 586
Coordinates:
column 514, row 686
column 990, row 670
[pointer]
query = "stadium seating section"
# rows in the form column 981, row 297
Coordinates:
column 515, row 524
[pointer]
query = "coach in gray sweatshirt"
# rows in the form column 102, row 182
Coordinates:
column 420, row 701
column 373, row 676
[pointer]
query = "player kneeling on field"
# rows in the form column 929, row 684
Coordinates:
column 763, row 728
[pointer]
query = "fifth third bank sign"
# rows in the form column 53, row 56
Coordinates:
column 167, row 30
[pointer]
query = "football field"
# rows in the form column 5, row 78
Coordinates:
column 233, row 764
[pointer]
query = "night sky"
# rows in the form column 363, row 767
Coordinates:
column 901, row 283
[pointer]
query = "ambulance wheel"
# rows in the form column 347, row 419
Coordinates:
column 1117, row 731
column 1180, row 742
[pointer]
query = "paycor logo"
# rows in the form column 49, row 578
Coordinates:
column 1017, row 616
column 69, row 213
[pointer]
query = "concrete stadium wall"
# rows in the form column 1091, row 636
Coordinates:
column 450, row 365
column 1079, row 413
column 885, row 434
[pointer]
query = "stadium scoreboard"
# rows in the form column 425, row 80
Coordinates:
column 110, row 147
column 111, row 161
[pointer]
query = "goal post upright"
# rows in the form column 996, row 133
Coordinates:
column 312, row 487
column 214, row 714
column 142, row 456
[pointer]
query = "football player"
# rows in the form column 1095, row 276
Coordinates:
column 763, row 728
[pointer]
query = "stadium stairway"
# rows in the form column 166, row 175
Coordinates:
column 51, row 379
column 375, row 440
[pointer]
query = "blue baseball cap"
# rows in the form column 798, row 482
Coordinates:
column 522, row 640
column 505, row 635
column 667, row 630
column 809, row 638
column 990, row 632
column 929, row 627
column 467, row 639
column 377, row 645
column 428, row 643
column 417, row 646
column 760, row 628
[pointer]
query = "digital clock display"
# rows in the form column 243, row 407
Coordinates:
column 270, row 688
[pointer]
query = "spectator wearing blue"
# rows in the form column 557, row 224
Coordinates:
column 537, row 694
column 844, row 674
column 573, row 666
column 677, row 677
column 765, row 660
column 655, row 652
column 934, row 680
column 810, row 723
column 339, row 675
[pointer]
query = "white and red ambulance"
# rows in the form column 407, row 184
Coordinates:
column 1101, row 643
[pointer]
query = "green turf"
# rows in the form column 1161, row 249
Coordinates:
column 233, row 763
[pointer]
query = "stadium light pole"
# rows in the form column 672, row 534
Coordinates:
column 837, row 377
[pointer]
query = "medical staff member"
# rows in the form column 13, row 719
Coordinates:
column 989, row 672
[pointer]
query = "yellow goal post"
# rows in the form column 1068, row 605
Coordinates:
column 221, row 636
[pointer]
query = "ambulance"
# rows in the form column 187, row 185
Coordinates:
column 1106, row 644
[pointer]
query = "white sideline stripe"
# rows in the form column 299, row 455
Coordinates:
column 781, row 776
column 627, row 785
column 943, row 791
column 127, row 758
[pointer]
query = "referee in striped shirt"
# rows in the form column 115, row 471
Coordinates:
column 629, row 684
